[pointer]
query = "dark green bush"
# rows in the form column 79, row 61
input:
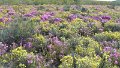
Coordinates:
column 66, row 8
column 16, row 31
column 112, row 27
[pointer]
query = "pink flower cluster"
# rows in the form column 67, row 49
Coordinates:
column 115, row 57
column 3, row 48
column 11, row 11
column 103, row 18
column 46, row 16
column 31, row 14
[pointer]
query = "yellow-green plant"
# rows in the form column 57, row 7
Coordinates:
column 88, row 47
column 107, row 36
column 67, row 62
column 88, row 62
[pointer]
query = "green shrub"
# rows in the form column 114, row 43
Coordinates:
column 81, row 62
column 88, row 47
column 39, row 43
column 112, row 27
column 83, row 28
column 67, row 62
column 44, row 28
column 16, row 31
column 66, row 8
column 88, row 62
column 107, row 36
column 39, row 40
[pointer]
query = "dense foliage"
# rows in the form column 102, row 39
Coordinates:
column 59, row 36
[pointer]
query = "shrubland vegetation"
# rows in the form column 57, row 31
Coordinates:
column 59, row 36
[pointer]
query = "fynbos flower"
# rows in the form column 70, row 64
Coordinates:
column 72, row 17
column 3, row 48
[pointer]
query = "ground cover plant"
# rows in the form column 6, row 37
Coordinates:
column 59, row 36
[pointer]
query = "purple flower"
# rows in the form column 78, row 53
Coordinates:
column 10, row 9
column 102, row 19
column 39, row 58
column 49, row 46
column 1, row 9
column 57, row 20
column 34, row 12
column 114, row 50
column 30, row 58
column 109, row 59
column 3, row 48
column 9, row 19
column 5, row 20
column 101, row 29
column 28, row 45
column 97, row 18
column 56, row 41
column 29, row 61
column 1, row 19
column 45, row 17
column 50, row 13
column 115, row 55
column 11, row 12
column 31, row 14
column 106, row 17
column 118, row 20
column 28, row 15
column 106, row 49
column 72, row 17
column 61, row 9
column 116, row 62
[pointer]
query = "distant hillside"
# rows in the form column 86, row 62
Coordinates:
column 68, row 2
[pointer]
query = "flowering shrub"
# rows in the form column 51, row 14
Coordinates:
column 16, row 57
column 85, row 62
column 67, row 61
column 112, row 55
column 91, row 62
column 59, row 36
column 3, row 48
